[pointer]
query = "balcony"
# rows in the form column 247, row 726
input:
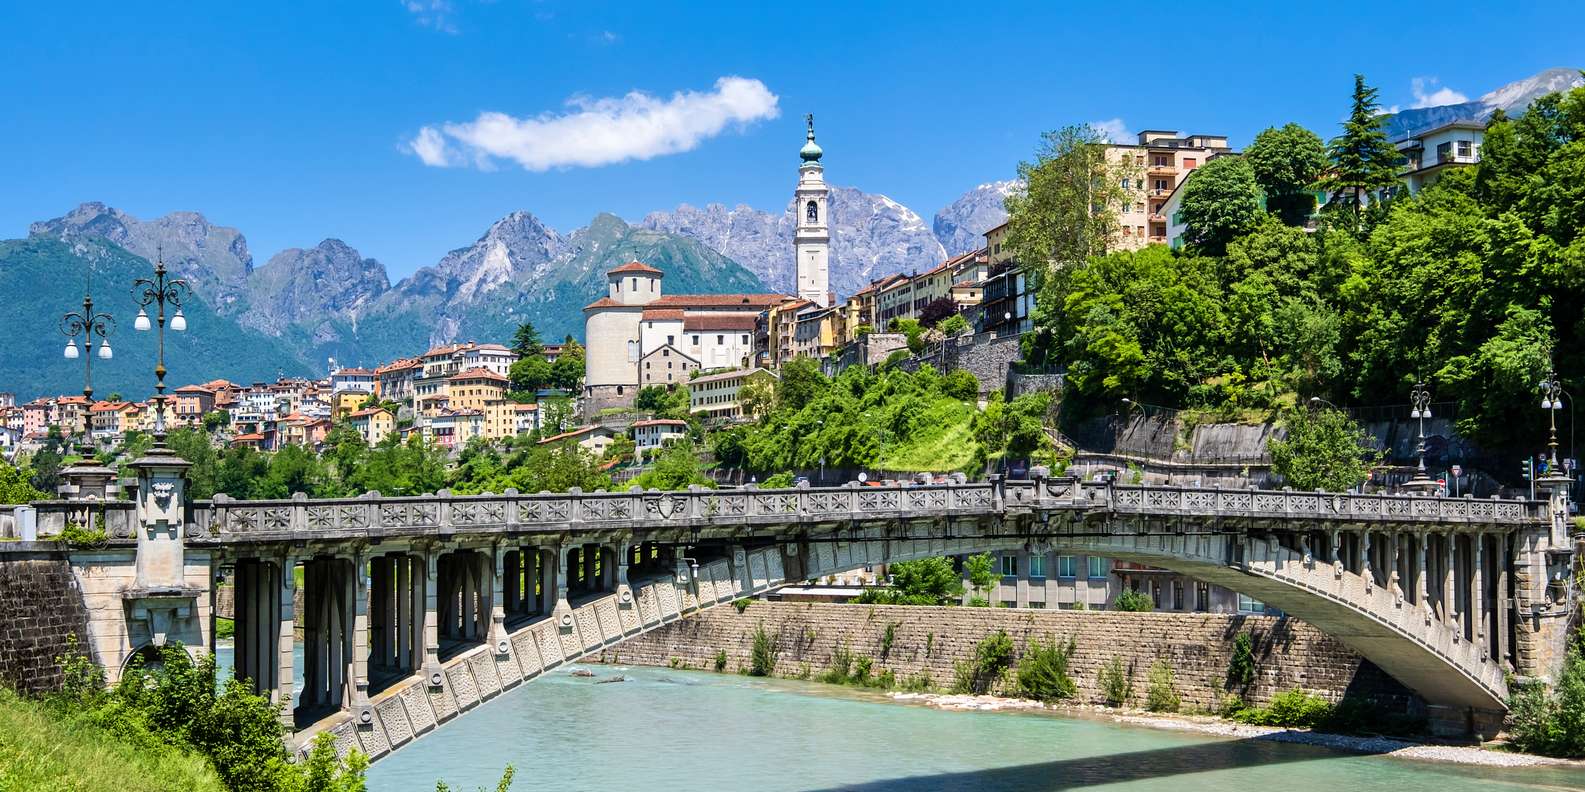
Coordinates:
column 1158, row 193
column 1157, row 217
column 1161, row 170
column 1449, row 158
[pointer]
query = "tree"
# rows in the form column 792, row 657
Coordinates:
column 1068, row 209
column 676, row 467
column 567, row 372
column 757, row 397
column 1220, row 203
column 1287, row 162
column 954, row 325
column 977, row 568
column 215, row 420
column 530, row 374
column 937, row 311
column 1324, row 449
column 16, row 485
column 1363, row 161
column 525, row 341
column 927, row 581
column 801, row 382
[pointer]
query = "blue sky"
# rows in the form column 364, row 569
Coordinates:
column 297, row 121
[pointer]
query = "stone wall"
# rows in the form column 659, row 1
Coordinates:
column 40, row 610
column 1289, row 653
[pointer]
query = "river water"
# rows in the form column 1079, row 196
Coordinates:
column 686, row 730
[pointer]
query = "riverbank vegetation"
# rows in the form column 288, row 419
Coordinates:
column 165, row 725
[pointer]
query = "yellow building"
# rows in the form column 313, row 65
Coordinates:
column 474, row 388
column 347, row 402
column 373, row 424
column 716, row 395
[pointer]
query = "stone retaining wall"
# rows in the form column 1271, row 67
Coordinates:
column 1289, row 653
column 40, row 609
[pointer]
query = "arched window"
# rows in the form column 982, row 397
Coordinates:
column 812, row 212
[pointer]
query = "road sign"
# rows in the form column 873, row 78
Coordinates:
column 1457, row 471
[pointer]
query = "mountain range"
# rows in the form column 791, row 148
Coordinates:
column 305, row 307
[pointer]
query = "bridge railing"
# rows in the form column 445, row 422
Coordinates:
column 445, row 513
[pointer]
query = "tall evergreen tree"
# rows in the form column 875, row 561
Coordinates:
column 525, row 342
column 1364, row 163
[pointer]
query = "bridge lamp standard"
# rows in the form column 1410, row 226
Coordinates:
column 1419, row 410
column 1552, row 401
column 87, row 324
column 159, row 291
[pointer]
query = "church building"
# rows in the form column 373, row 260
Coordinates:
column 636, row 335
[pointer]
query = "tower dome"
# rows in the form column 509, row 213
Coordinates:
column 811, row 151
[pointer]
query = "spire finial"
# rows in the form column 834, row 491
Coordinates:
column 810, row 153
column 809, row 118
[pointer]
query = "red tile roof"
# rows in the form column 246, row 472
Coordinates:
column 634, row 266
column 477, row 373
column 607, row 302
column 368, row 411
column 251, row 437
column 582, row 430
column 723, row 321
column 756, row 301
column 663, row 314
column 352, row 372
column 659, row 422
column 400, row 364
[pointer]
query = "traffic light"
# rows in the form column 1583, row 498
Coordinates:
column 1529, row 468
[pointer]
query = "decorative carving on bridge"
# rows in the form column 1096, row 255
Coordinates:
column 1199, row 501
column 776, row 503
column 827, row 502
column 478, row 513
column 878, row 500
column 665, row 506
column 410, row 515
column 1269, row 502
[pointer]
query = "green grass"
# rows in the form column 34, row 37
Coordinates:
column 40, row 751
column 943, row 441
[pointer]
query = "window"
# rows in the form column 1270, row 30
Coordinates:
column 1009, row 566
column 1202, row 596
column 1465, row 148
column 720, row 339
column 669, row 341
column 696, row 340
column 635, row 284
column 812, row 212
column 1248, row 604
column 1097, row 567
column 1177, row 595
column 745, row 338
column 1037, row 565
column 1155, row 595
column 1037, row 604
column 1190, row 162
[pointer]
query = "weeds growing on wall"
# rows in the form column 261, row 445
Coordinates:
column 762, row 657
column 993, row 656
column 1160, row 694
column 720, row 660
column 1043, row 671
column 1241, row 668
column 1117, row 687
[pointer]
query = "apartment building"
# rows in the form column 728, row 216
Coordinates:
column 666, row 365
column 814, row 332
column 373, row 424
column 474, row 388
column 352, row 379
column 1427, row 155
column 1156, row 164
column 716, row 395
column 652, row 435
column 394, row 381
column 193, row 402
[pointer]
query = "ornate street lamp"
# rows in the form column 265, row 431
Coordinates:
column 1552, row 401
column 87, row 324
column 1420, row 409
column 159, row 291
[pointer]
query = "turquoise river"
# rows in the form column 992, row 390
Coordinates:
column 662, row 729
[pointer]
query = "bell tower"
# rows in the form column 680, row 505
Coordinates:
column 812, row 240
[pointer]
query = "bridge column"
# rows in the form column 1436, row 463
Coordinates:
column 1395, row 563
column 498, row 640
column 431, row 625
column 1422, row 571
column 1365, row 569
column 357, row 586
column 286, row 634
column 1451, row 572
column 550, row 583
column 1334, row 539
column 562, row 609
column 1506, row 605
column 1477, row 596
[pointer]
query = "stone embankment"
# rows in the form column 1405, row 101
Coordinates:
column 41, row 610
column 930, row 640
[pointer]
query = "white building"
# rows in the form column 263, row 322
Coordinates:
column 1428, row 154
column 652, row 435
column 352, row 379
column 716, row 395
column 812, row 239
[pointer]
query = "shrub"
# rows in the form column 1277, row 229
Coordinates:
column 861, row 670
column 1117, row 687
column 1133, row 602
column 979, row 602
column 78, row 535
column 1292, row 709
column 918, row 683
column 841, row 666
column 888, row 638
column 993, row 656
column 742, row 604
column 720, row 660
column 777, row 481
column 1043, row 671
column 762, row 659
column 1160, row 696
column 1241, row 668
column 1551, row 722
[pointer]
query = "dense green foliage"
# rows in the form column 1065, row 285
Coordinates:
column 927, row 581
column 980, row 572
column 527, row 466
column 1043, row 671
column 16, row 485
column 1363, row 161
column 1551, row 722
column 1160, row 693
column 993, row 657
column 348, row 467
column 676, row 467
column 1067, row 211
column 857, row 419
column 1241, row 667
column 1323, row 449
column 1287, row 161
column 175, row 719
column 1014, row 430
column 1467, row 285
column 1220, row 203
column 762, row 653
column 1133, row 602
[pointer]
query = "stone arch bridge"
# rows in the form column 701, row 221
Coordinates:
column 416, row 609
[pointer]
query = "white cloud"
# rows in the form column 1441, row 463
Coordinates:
column 1114, row 130
column 1428, row 94
column 432, row 13
column 606, row 37
column 597, row 131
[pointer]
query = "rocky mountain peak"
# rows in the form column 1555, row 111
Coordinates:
column 312, row 286
column 961, row 225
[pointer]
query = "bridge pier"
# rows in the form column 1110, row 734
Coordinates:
column 329, row 676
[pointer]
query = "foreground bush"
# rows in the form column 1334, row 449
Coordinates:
column 1043, row 671
column 1551, row 722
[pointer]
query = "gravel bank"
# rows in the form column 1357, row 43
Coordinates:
column 1205, row 724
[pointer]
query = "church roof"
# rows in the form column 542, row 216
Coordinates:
column 720, row 321
column 663, row 314
column 607, row 302
column 737, row 301
column 634, row 266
